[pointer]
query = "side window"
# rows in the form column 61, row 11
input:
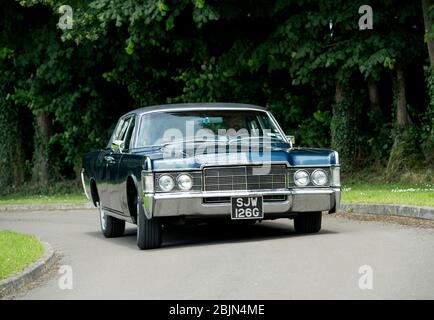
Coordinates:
column 122, row 129
column 123, row 133
column 129, row 134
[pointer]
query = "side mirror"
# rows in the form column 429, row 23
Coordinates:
column 291, row 140
column 118, row 146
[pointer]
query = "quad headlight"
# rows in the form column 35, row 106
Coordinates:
column 314, row 177
column 166, row 183
column 301, row 178
column 184, row 181
column 175, row 182
column 319, row 177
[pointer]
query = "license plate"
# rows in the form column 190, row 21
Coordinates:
column 247, row 208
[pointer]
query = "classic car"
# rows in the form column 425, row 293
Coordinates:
column 206, row 162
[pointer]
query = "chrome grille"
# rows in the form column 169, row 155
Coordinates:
column 245, row 178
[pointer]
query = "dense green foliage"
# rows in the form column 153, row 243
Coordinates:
column 329, row 83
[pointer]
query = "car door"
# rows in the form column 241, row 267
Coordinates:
column 104, row 163
column 128, row 165
column 109, row 165
column 117, row 175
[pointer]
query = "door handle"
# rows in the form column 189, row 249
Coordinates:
column 109, row 159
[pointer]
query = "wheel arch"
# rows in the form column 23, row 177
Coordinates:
column 132, row 195
column 94, row 192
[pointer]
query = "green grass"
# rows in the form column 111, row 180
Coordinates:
column 398, row 193
column 17, row 251
column 53, row 193
column 72, row 198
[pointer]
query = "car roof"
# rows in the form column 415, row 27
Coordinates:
column 196, row 106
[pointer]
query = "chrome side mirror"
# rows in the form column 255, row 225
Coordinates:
column 118, row 146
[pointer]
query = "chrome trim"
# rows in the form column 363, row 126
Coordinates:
column 244, row 163
column 145, row 203
column 211, row 194
column 179, row 170
column 192, row 204
column 312, row 191
column 337, row 158
column 169, row 109
column 84, row 184
column 319, row 166
column 313, row 200
column 148, row 164
column 195, row 206
column 225, row 164
column 117, row 215
column 337, row 200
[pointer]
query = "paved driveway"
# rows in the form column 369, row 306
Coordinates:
column 263, row 261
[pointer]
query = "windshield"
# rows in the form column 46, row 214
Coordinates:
column 160, row 128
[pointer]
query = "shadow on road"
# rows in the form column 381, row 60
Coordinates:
column 211, row 234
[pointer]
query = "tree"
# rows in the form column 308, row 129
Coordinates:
column 307, row 61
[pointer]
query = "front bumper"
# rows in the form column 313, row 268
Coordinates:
column 193, row 204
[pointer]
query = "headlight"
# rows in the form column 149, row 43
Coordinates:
column 319, row 177
column 166, row 183
column 301, row 178
column 185, row 182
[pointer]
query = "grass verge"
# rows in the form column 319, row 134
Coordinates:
column 63, row 192
column 69, row 198
column 17, row 251
column 399, row 193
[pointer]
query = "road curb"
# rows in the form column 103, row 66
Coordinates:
column 45, row 207
column 390, row 209
column 33, row 272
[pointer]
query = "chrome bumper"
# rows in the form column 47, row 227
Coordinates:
column 192, row 203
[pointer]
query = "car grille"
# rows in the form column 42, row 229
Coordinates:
column 245, row 178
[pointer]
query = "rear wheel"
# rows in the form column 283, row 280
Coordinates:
column 149, row 232
column 308, row 222
column 111, row 227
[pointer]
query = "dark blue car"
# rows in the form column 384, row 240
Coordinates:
column 207, row 162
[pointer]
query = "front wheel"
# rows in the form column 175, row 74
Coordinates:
column 149, row 232
column 308, row 222
column 110, row 226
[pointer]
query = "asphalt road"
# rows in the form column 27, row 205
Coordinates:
column 263, row 261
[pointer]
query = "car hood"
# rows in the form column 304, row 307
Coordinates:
column 277, row 154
